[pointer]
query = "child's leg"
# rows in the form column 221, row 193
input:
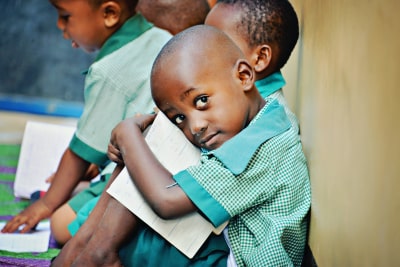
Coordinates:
column 75, row 245
column 84, row 193
column 115, row 228
column 59, row 222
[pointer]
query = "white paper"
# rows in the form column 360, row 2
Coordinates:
column 42, row 147
column 170, row 145
column 176, row 153
column 36, row 241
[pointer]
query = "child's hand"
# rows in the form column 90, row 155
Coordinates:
column 91, row 172
column 143, row 121
column 114, row 154
column 29, row 217
column 50, row 179
column 124, row 131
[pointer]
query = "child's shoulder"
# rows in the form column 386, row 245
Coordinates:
column 138, row 52
column 275, row 118
column 136, row 32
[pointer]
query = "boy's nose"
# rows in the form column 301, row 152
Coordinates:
column 198, row 126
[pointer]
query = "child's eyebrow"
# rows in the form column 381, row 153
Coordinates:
column 168, row 110
column 186, row 93
column 59, row 8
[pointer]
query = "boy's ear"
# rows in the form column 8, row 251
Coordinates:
column 264, row 56
column 245, row 74
column 111, row 13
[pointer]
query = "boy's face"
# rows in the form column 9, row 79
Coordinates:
column 226, row 18
column 209, row 106
column 81, row 23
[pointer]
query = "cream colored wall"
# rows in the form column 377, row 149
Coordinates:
column 343, row 83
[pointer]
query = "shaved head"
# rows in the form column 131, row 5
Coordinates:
column 174, row 15
column 198, row 46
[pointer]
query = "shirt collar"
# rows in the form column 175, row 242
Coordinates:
column 269, row 122
column 129, row 31
column 270, row 84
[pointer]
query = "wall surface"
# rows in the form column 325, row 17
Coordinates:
column 35, row 60
column 343, row 85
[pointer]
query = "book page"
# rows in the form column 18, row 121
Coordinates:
column 42, row 147
column 176, row 153
column 34, row 241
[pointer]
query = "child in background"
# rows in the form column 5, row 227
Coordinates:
column 252, row 172
column 267, row 32
column 174, row 15
column 116, row 87
column 171, row 15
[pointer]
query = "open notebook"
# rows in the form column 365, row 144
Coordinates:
column 43, row 145
column 176, row 153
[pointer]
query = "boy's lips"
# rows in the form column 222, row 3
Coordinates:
column 208, row 140
column 74, row 44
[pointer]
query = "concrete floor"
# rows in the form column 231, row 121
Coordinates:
column 12, row 124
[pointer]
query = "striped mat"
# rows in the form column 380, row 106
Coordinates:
column 10, row 206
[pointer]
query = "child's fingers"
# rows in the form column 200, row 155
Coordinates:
column 50, row 178
column 29, row 225
column 114, row 154
column 143, row 121
column 14, row 223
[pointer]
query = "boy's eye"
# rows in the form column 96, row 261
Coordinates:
column 64, row 17
column 201, row 102
column 178, row 119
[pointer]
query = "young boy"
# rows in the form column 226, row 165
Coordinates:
column 252, row 171
column 267, row 32
column 174, row 15
column 116, row 87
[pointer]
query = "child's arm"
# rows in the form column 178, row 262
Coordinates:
column 90, row 174
column 69, row 172
column 149, row 176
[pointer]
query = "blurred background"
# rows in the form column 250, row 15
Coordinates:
column 36, row 62
column 40, row 73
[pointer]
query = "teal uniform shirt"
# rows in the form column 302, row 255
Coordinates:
column 271, row 86
column 258, row 181
column 117, row 86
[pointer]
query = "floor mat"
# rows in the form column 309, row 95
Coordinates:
column 10, row 206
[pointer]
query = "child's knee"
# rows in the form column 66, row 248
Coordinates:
column 59, row 222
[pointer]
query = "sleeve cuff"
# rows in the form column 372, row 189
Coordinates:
column 208, row 206
column 86, row 152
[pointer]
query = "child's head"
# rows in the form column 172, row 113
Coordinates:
column 174, row 15
column 203, row 83
column 265, row 30
column 89, row 23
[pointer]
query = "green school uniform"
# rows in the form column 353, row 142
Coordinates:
column 258, row 180
column 117, row 86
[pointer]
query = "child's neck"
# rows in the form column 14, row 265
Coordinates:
column 265, row 73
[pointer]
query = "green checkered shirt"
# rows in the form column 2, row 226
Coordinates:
column 259, row 181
